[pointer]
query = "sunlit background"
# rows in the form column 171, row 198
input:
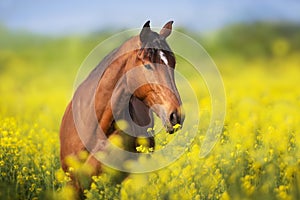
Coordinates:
column 255, row 45
column 73, row 17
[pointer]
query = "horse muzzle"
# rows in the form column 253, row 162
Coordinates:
column 174, row 120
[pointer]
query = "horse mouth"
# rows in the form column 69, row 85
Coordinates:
column 172, row 128
column 174, row 123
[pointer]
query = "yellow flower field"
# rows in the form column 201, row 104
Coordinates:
column 256, row 157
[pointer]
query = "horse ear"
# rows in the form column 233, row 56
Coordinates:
column 145, row 32
column 166, row 30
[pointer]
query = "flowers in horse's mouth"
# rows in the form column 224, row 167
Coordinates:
column 176, row 127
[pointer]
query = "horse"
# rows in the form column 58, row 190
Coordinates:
column 132, row 83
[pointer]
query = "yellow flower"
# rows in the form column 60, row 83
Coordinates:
column 225, row 196
column 93, row 186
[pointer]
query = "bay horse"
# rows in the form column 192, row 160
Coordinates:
column 130, row 84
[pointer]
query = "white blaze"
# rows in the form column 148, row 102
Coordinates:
column 163, row 57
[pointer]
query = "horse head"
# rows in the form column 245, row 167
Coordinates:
column 153, row 76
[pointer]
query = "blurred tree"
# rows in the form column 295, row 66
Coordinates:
column 260, row 39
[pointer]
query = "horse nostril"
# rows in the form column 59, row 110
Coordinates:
column 174, row 118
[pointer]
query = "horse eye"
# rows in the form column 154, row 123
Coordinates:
column 148, row 66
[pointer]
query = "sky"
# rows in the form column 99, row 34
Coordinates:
column 57, row 17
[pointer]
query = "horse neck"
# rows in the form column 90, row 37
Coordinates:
column 110, row 86
column 125, row 55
